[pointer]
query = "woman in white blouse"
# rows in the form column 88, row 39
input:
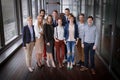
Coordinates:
column 39, row 45
column 59, row 42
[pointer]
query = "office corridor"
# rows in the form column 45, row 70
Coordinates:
column 14, row 17
column 15, row 69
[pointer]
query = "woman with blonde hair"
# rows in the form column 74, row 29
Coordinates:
column 28, row 42
column 39, row 45
column 49, row 40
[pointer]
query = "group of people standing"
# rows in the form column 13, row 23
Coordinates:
column 61, row 34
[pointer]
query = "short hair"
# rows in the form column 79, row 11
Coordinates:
column 55, row 11
column 42, row 10
column 90, row 17
column 29, row 17
column 67, row 9
column 82, row 15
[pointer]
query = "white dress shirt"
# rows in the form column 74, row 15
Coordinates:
column 59, row 32
column 37, row 30
column 71, row 33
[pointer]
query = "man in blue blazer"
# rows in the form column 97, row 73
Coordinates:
column 29, row 42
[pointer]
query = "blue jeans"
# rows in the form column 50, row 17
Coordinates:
column 88, row 51
column 70, row 51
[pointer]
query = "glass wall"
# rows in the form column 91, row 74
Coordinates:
column 34, row 10
column 83, row 6
column 97, row 20
column 24, row 11
column 116, row 52
column 107, row 20
column 89, row 8
column 9, row 20
column 73, row 5
column 51, row 5
column 0, row 41
column 39, row 5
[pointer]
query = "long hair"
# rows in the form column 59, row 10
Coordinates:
column 40, row 23
column 71, row 15
column 48, row 21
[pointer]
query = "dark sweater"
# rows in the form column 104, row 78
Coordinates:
column 48, row 32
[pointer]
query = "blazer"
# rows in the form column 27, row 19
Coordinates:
column 65, row 21
column 55, row 24
column 66, row 31
column 48, row 32
column 27, row 35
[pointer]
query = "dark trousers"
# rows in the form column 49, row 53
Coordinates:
column 89, row 53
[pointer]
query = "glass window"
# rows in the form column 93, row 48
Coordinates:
column 9, row 20
column 83, row 6
column 73, row 5
column 0, row 41
column 98, row 5
column 50, row 6
column 89, row 8
column 33, row 10
column 106, row 31
column 98, row 20
column 39, row 6
column 116, row 53
column 24, row 11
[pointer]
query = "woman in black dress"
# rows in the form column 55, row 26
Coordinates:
column 49, row 40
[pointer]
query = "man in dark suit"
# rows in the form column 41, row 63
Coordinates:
column 28, row 42
column 55, row 18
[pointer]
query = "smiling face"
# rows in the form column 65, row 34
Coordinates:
column 42, row 13
column 81, row 18
column 49, row 19
column 90, row 21
column 60, row 22
column 40, row 19
column 29, row 21
column 67, row 12
column 54, row 14
column 71, row 19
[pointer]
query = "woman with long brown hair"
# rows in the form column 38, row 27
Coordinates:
column 39, row 45
column 49, row 40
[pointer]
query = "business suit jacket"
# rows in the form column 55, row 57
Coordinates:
column 27, row 35
column 66, row 31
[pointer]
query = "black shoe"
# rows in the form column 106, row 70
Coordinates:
column 39, row 66
column 78, row 64
column 82, row 64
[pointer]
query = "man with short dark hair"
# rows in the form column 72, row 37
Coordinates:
column 42, row 12
column 89, row 43
column 67, row 13
column 55, row 17
column 80, row 51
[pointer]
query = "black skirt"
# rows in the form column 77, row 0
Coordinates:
column 49, row 49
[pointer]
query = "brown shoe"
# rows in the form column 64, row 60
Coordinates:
column 93, row 71
column 83, row 69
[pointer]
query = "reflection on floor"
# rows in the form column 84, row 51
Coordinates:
column 15, row 69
